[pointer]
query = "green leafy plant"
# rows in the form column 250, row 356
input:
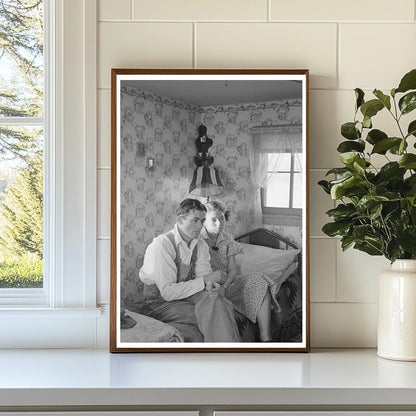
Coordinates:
column 376, row 210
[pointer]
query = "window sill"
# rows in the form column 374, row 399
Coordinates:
column 278, row 219
column 29, row 311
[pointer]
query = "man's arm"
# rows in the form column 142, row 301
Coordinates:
column 159, row 267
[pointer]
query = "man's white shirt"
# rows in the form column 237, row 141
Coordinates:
column 159, row 266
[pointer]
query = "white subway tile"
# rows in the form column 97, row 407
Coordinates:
column 104, row 129
column 272, row 45
column 376, row 55
column 343, row 325
column 357, row 275
column 142, row 45
column 103, row 271
column 114, row 10
column 200, row 10
column 341, row 10
column 323, row 269
column 319, row 203
column 328, row 110
column 104, row 202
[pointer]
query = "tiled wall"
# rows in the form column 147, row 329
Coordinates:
column 345, row 44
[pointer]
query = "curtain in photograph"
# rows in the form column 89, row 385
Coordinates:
column 269, row 144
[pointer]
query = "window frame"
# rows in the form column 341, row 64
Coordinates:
column 38, row 296
column 69, row 316
column 290, row 211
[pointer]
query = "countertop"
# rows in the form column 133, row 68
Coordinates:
column 96, row 377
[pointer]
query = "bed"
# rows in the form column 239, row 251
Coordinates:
column 280, row 260
column 263, row 251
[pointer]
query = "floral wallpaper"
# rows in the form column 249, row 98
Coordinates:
column 164, row 129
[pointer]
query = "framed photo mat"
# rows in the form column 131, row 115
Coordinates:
column 147, row 172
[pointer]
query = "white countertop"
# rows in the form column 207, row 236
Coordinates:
column 96, row 377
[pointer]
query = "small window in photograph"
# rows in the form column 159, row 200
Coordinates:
column 283, row 189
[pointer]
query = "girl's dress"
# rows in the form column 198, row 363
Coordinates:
column 247, row 292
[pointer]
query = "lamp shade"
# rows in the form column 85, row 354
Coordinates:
column 206, row 182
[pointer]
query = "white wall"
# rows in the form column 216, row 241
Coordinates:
column 345, row 44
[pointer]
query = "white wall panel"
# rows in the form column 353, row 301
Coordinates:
column 104, row 128
column 114, row 10
column 142, row 45
column 200, row 10
column 259, row 45
column 323, row 269
column 340, row 10
column 389, row 53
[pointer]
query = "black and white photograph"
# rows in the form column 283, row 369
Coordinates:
column 209, row 211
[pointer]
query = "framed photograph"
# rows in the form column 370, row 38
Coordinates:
column 209, row 211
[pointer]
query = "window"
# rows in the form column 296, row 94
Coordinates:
column 63, row 313
column 283, row 188
column 278, row 162
column 22, row 131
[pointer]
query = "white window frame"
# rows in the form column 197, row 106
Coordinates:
column 70, row 211
column 289, row 211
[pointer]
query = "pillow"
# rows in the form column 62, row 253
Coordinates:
column 270, row 261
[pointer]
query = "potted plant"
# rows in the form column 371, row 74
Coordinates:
column 376, row 209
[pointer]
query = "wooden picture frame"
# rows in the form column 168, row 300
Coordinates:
column 258, row 123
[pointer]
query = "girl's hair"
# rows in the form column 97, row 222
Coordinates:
column 217, row 206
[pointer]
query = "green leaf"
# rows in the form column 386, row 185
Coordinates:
column 359, row 165
column 369, row 201
column 361, row 231
column 333, row 229
column 349, row 131
column 386, row 144
column 348, row 158
column 398, row 149
column 408, row 82
column 349, row 146
column 338, row 171
column 346, row 242
column 371, row 108
column 391, row 170
column 407, row 239
column 342, row 211
column 359, row 94
column 368, row 248
column 408, row 103
column 411, row 130
column 375, row 135
column 375, row 212
column 350, row 185
column 385, row 99
column 393, row 250
column 408, row 161
column 367, row 122
column 325, row 186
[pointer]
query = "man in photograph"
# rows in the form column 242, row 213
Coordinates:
column 180, row 287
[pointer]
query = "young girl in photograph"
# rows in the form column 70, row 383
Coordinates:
column 250, row 294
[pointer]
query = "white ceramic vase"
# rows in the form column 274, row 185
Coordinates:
column 397, row 312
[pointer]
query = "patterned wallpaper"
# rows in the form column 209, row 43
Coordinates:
column 164, row 129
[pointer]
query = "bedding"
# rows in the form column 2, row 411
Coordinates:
column 148, row 329
column 272, row 262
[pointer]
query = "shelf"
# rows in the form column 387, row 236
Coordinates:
column 40, row 378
